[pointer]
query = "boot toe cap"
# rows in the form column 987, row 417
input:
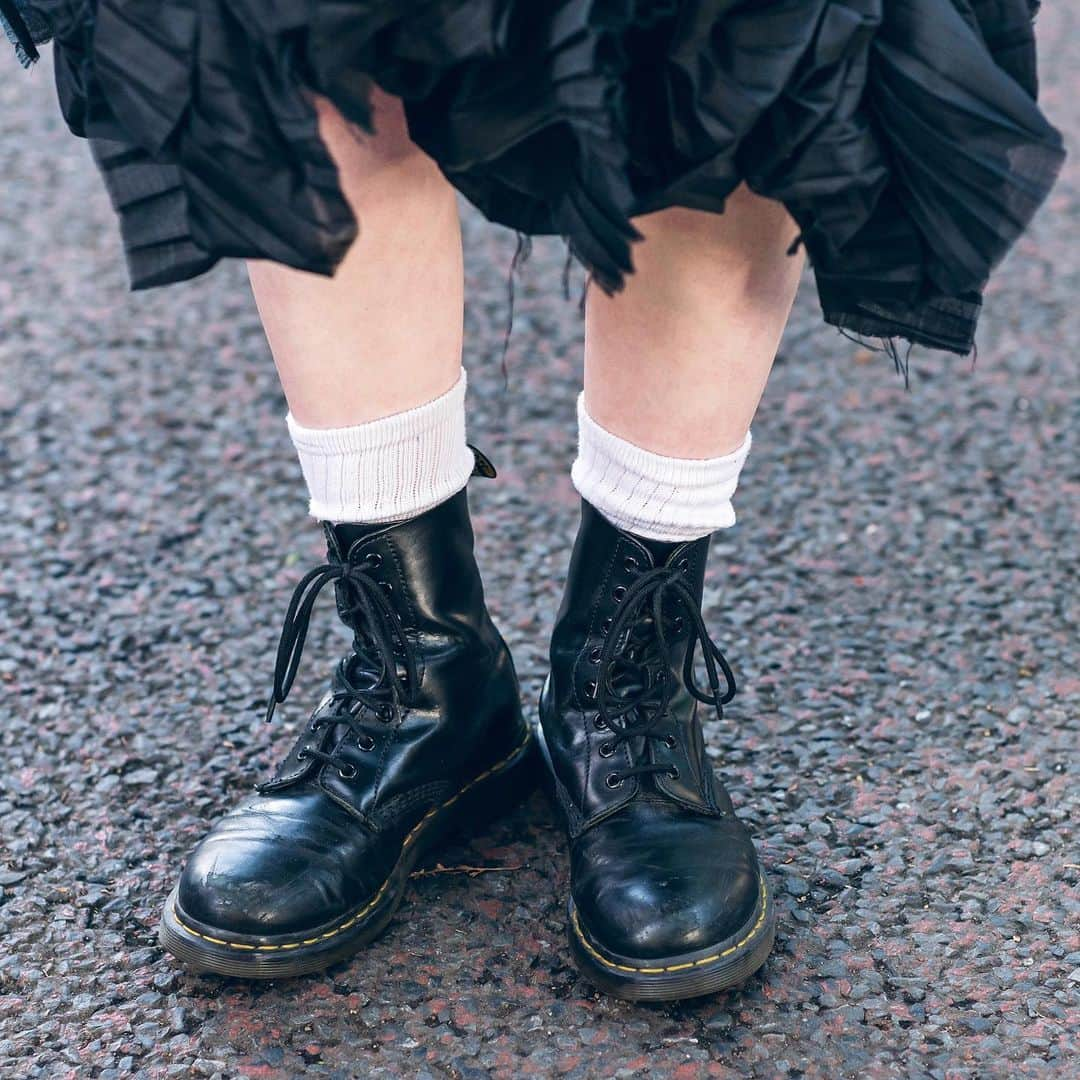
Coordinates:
column 649, row 897
column 270, row 868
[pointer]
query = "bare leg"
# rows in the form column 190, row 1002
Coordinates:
column 677, row 362
column 385, row 334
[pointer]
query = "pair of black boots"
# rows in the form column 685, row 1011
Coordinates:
column 422, row 733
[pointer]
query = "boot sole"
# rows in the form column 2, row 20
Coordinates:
column 671, row 978
column 206, row 949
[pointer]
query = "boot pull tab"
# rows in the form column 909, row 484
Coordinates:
column 482, row 465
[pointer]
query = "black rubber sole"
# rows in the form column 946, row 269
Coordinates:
column 206, row 949
column 672, row 978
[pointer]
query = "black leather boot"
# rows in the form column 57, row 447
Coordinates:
column 421, row 731
column 667, row 899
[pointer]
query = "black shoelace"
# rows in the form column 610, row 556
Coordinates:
column 649, row 686
column 379, row 647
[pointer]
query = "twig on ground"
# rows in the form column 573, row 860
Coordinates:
column 472, row 871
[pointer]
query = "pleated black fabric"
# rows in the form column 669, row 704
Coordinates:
column 903, row 135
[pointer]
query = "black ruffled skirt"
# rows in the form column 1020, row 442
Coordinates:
column 902, row 135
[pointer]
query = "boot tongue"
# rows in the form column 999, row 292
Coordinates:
column 660, row 550
column 342, row 536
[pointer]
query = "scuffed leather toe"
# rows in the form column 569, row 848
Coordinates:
column 278, row 866
column 654, row 882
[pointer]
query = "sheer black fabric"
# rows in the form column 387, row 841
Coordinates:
column 903, row 135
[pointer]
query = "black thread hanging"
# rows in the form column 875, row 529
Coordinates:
column 521, row 253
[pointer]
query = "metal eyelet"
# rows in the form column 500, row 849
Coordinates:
column 590, row 690
column 630, row 564
column 600, row 724
column 605, row 626
column 387, row 586
column 613, row 780
column 302, row 754
column 618, row 593
column 684, row 565
column 606, row 749
column 366, row 743
column 350, row 775
column 670, row 742
column 373, row 559
column 679, row 624
column 673, row 772
column 595, row 654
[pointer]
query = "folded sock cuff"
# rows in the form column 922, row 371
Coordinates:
column 651, row 495
column 388, row 469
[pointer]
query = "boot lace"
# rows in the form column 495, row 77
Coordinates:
column 634, row 682
column 379, row 676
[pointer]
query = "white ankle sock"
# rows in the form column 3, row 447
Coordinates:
column 388, row 469
column 661, row 498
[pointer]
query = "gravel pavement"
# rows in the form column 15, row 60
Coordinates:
column 899, row 601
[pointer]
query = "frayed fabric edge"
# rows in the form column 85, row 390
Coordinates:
column 888, row 346
column 891, row 348
column 522, row 253
column 25, row 38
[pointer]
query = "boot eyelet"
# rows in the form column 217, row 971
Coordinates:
column 613, row 780
column 632, row 654
column 670, row 742
column 605, row 626
column 595, row 654
column 630, row 564
column 600, row 724
column 387, row 586
column 590, row 690
column 606, row 749
column 348, row 773
column 373, row 559
column 366, row 743
column 618, row 593
column 679, row 624
column 302, row 755
column 684, row 565
column 673, row 772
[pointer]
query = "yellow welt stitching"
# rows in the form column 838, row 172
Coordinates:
column 754, row 930
column 382, row 888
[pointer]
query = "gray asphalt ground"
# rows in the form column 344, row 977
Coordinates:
column 899, row 601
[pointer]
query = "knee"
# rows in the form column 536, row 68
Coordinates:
column 362, row 155
column 748, row 221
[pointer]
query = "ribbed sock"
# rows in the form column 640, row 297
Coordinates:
column 661, row 498
column 388, row 469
